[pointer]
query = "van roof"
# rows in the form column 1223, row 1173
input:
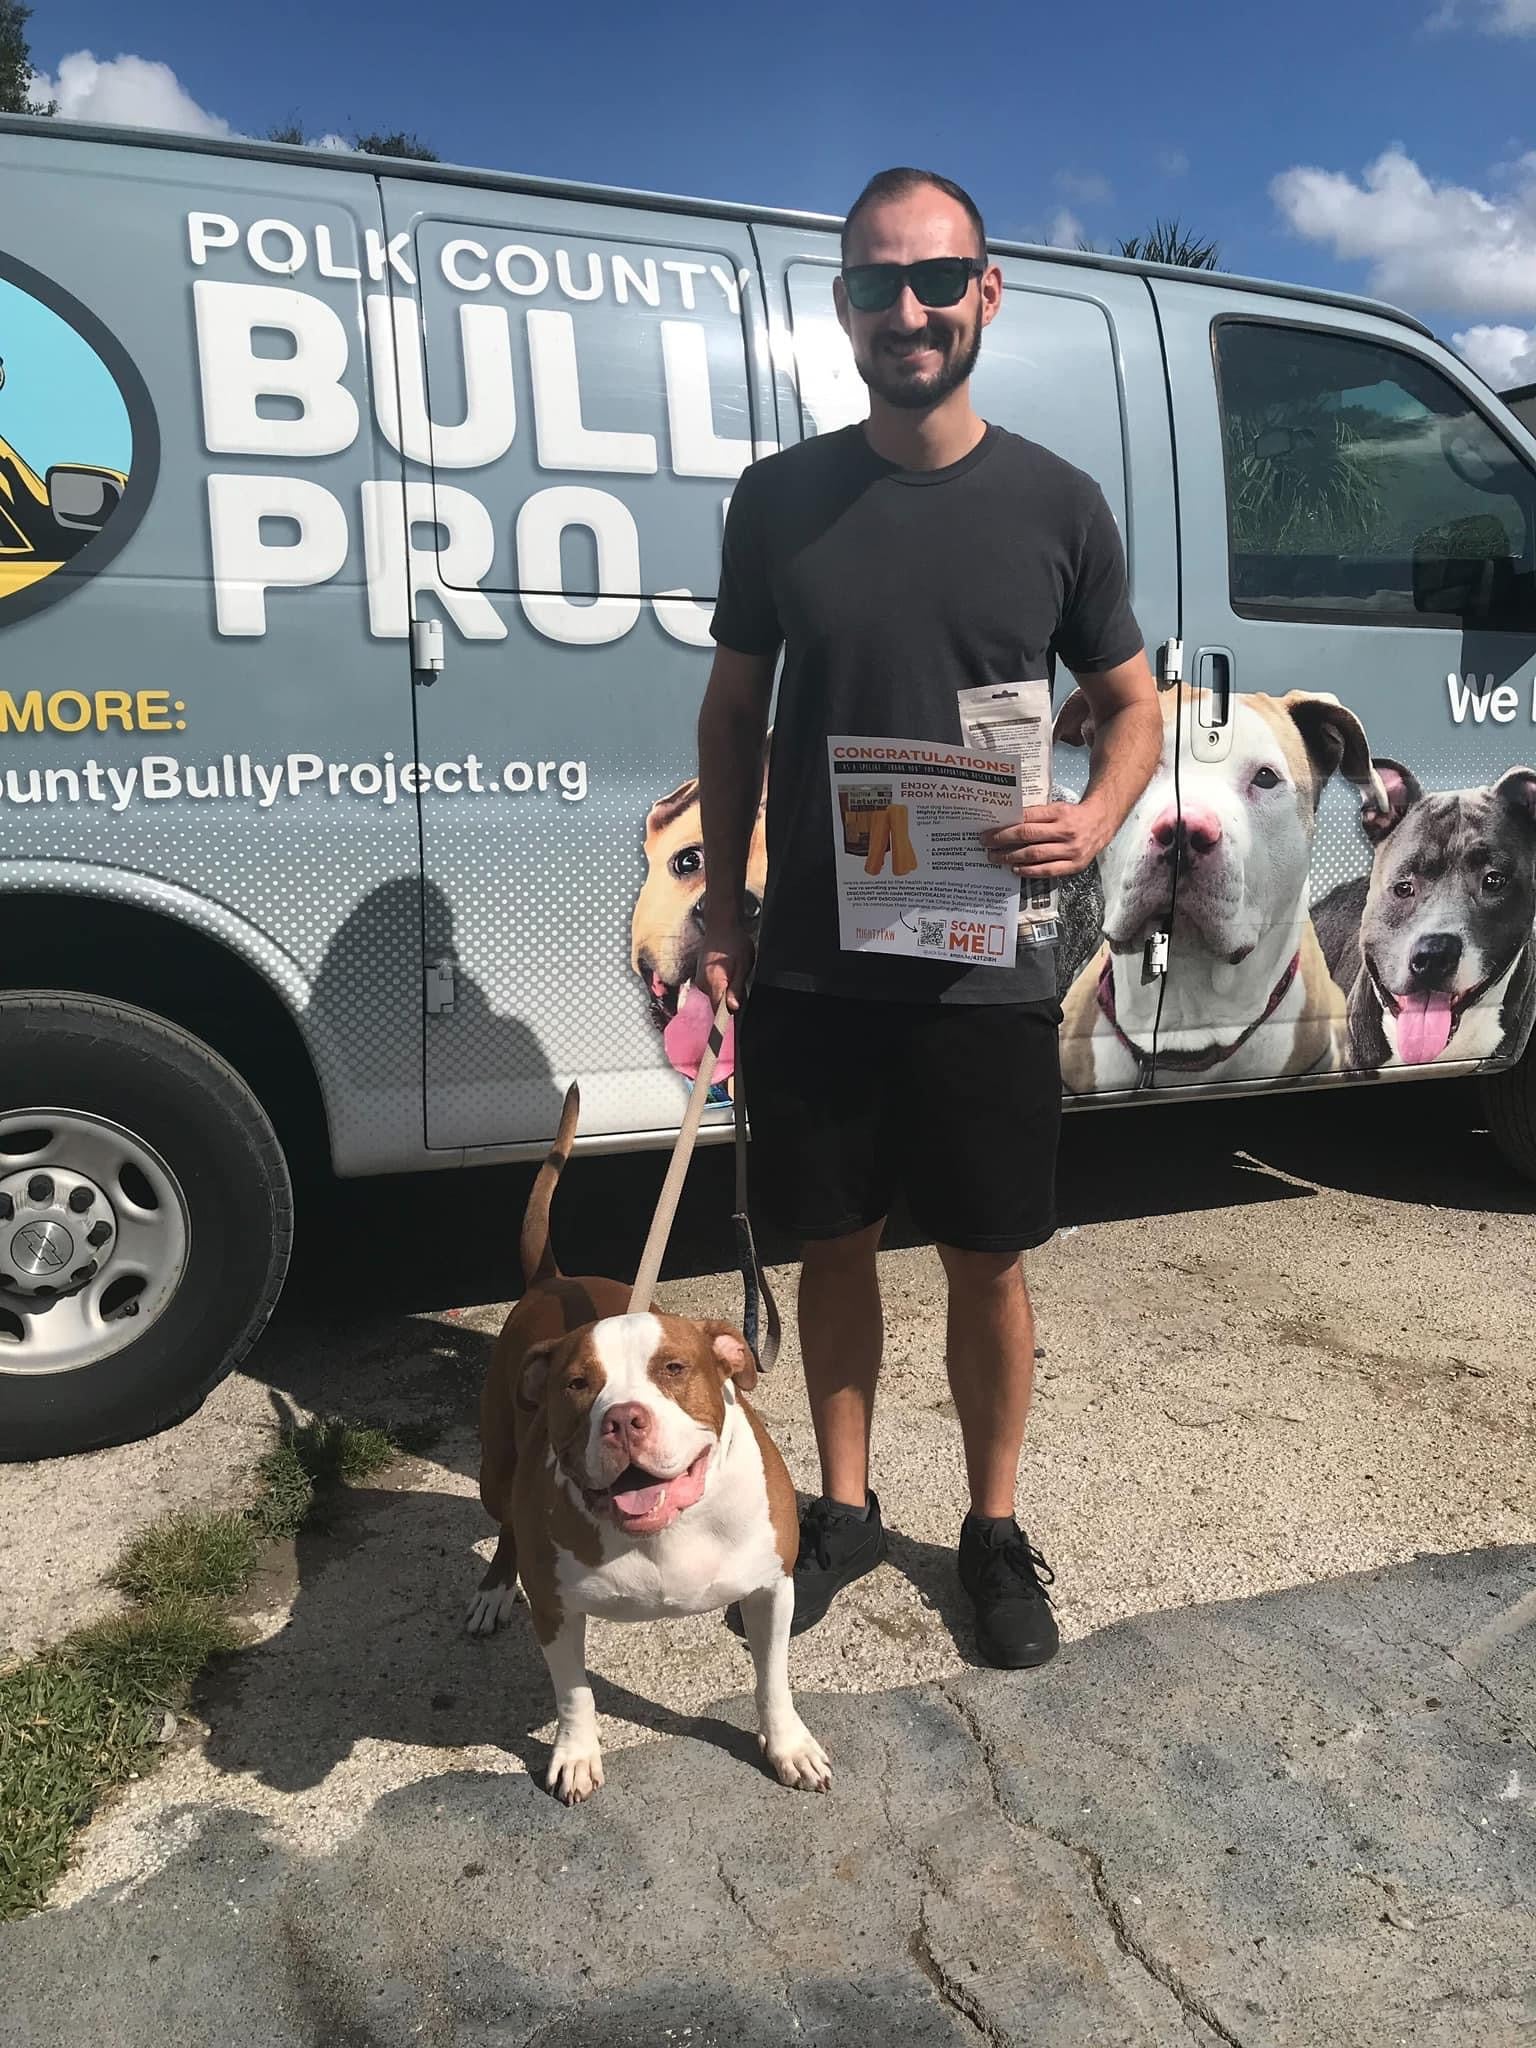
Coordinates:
column 617, row 195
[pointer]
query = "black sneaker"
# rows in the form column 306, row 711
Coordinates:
column 835, row 1549
column 1007, row 1580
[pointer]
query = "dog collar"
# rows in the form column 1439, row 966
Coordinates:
column 1188, row 1062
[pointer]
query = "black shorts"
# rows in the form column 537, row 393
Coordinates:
column 955, row 1105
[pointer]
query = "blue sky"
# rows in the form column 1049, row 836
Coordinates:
column 1403, row 135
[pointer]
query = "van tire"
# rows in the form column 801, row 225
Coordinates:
column 108, row 1067
column 1510, row 1100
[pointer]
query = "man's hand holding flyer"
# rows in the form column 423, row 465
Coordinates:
column 1015, row 718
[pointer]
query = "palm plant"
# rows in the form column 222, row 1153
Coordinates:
column 1168, row 242
column 1297, row 482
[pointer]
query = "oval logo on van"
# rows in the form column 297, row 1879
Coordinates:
column 79, row 448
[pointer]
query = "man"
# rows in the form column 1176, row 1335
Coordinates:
column 897, row 563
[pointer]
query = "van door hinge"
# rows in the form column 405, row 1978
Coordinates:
column 442, row 986
column 1170, row 664
column 427, row 650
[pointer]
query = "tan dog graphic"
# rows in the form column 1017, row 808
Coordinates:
column 667, row 926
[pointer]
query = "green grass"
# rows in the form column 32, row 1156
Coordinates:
column 212, row 1555
column 84, row 1716
column 311, row 1461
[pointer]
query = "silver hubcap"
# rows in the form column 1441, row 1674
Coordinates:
column 94, row 1236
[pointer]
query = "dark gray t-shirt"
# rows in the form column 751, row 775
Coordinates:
column 889, row 591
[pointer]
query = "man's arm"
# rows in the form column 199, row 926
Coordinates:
column 733, row 730
column 1063, row 839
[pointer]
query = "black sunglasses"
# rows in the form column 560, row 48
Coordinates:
column 937, row 281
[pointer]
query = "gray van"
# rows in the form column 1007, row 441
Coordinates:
column 359, row 525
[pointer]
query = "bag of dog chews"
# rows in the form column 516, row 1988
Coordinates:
column 1015, row 718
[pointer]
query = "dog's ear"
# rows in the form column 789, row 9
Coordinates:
column 671, row 806
column 1517, row 789
column 1336, row 741
column 732, row 1354
column 533, row 1374
column 1403, row 791
column 1074, row 722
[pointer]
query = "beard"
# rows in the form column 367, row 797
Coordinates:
column 888, row 377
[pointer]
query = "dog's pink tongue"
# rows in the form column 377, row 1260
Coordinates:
column 639, row 1501
column 687, row 1035
column 1424, row 1028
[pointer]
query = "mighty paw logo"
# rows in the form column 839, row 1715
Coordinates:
column 78, row 443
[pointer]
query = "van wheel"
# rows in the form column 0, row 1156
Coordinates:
column 146, row 1218
column 1510, row 1100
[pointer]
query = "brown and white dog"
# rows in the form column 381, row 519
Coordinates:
column 1249, row 996
column 667, row 925
column 631, row 1479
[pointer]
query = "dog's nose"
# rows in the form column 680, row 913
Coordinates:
column 1435, row 959
column 1197, row 832
column 627, row 1423
column 751, row 910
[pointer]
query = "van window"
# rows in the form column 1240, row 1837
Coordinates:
column 1363, row 485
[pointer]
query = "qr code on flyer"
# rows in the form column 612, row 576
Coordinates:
column 931, row 931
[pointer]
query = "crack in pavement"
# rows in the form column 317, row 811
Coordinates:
column 1506, row 1711
column 951, row 1993
column 738, row 1899
column 1190, row 2002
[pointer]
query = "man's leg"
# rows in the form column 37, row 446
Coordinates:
column 991, row 1362
column 841, row 1334
column 983, row 1183
column 817, row 1072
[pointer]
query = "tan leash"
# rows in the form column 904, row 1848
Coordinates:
column 753, row 1279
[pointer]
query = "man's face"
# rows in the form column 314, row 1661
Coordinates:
column 913, row 355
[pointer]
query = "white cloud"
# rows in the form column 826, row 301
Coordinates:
column 129, row 92
column 1434, row 245
column 1173, row 163
column 137, row 92
column 1493, row 17
column 1087, row 188
column 1065, row 231
column 1504, row 355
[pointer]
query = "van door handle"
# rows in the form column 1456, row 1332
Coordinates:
column 1211, row 731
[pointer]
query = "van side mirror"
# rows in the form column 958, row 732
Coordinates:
column 81, row 497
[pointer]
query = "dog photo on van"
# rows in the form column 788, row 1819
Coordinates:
column 1249, row 996
column 1433, row 947
column 667, row 929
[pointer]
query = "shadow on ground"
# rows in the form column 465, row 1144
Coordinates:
column 429, row 1241
column 1298, row 1817
column 374, row 1649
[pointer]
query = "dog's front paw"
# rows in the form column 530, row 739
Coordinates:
column 798, row 1758
column 491, row 1606
column 575, row 1770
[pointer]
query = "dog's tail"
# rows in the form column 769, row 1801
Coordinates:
column 538, row 1253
